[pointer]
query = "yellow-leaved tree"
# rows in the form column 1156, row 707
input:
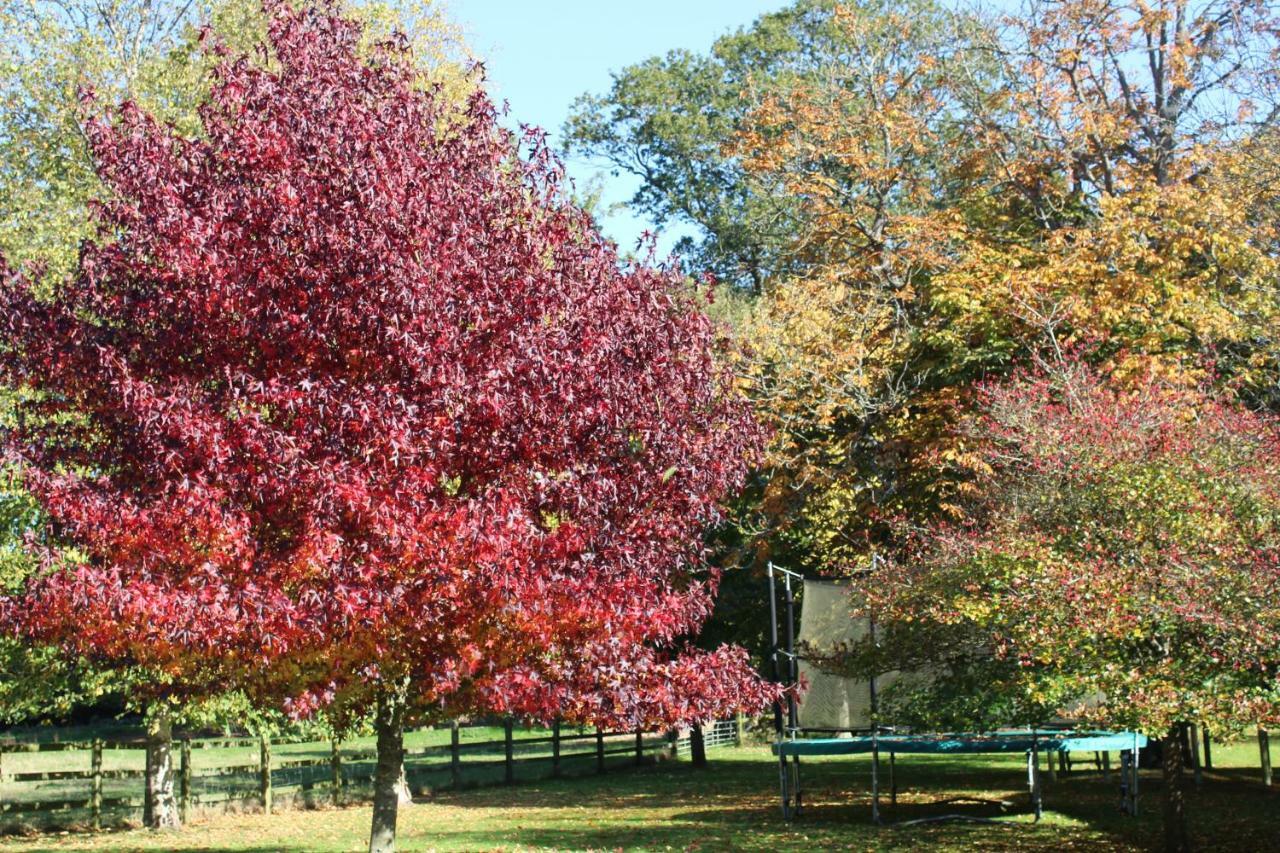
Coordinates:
column 1084, row 177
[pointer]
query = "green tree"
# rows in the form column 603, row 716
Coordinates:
column 142, row 50
column 669, row 122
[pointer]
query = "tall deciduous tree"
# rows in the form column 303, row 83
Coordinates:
column 49, row 53
column 1082, row 177
column 671, row 123
column 367, row 416
column 1119, row 560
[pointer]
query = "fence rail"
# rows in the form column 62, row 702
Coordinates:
column 305, row 771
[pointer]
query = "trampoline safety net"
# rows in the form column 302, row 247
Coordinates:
column 826, row 624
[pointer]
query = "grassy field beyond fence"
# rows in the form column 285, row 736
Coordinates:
column 80, row 785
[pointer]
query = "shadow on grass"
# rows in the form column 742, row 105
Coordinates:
column 734, row 805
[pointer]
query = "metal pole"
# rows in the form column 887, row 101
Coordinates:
column 1033, row 772
column 773, row 648
column 875, row 777
column 1125, row 805
column 893, row 782
column 798, row 798
column 784, row 783
column 793, row 668
column 872, row 687
column 1133, row 786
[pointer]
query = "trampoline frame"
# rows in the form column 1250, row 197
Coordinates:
column 876, row 738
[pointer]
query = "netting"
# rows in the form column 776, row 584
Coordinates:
column 827, row 623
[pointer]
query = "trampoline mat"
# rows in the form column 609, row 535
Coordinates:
column 953, row 744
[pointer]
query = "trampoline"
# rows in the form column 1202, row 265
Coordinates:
column 840, row 706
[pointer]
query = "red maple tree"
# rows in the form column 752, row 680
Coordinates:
column 350, row 407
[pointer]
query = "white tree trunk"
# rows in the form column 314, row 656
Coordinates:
column 162, row 804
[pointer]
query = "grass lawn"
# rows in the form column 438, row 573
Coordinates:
column 732, row 806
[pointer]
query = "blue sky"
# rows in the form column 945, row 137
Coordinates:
column 541, row 54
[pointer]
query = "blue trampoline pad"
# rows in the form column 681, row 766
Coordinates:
column 958, row 744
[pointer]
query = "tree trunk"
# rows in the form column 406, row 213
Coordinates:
column 161, row 808
column 389, row 776
column 404, row 794
column 1175, row 817
column 697, row 747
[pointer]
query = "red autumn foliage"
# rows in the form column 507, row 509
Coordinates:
column 347, row 394
column 1120, row 547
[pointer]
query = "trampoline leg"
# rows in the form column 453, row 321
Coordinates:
column 798, row 796
column 783, row 781
column 1125, row 758
column 1133, row 785
column 1033, row 780
column 893, row 782
column 875, row 784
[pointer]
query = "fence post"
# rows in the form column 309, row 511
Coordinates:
column 264, row 772
column 639, row 746
column 184, row 781
column 509, row 769
column 95, row 797
column 147, row 798
column 555, row 749
column 1193, row 735
column 455, row 756
column 1264, row 752
column 599, row 750
column 335, row 770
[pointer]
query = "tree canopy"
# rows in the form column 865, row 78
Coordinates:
column 364, row 414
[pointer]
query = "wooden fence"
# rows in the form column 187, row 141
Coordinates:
column 111, row 789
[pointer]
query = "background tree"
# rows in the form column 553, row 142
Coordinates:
column 366, row 418
column 671, row 121
column 143, row 50
column 1117, row 562
column 1073, row 178
column 866, row 144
